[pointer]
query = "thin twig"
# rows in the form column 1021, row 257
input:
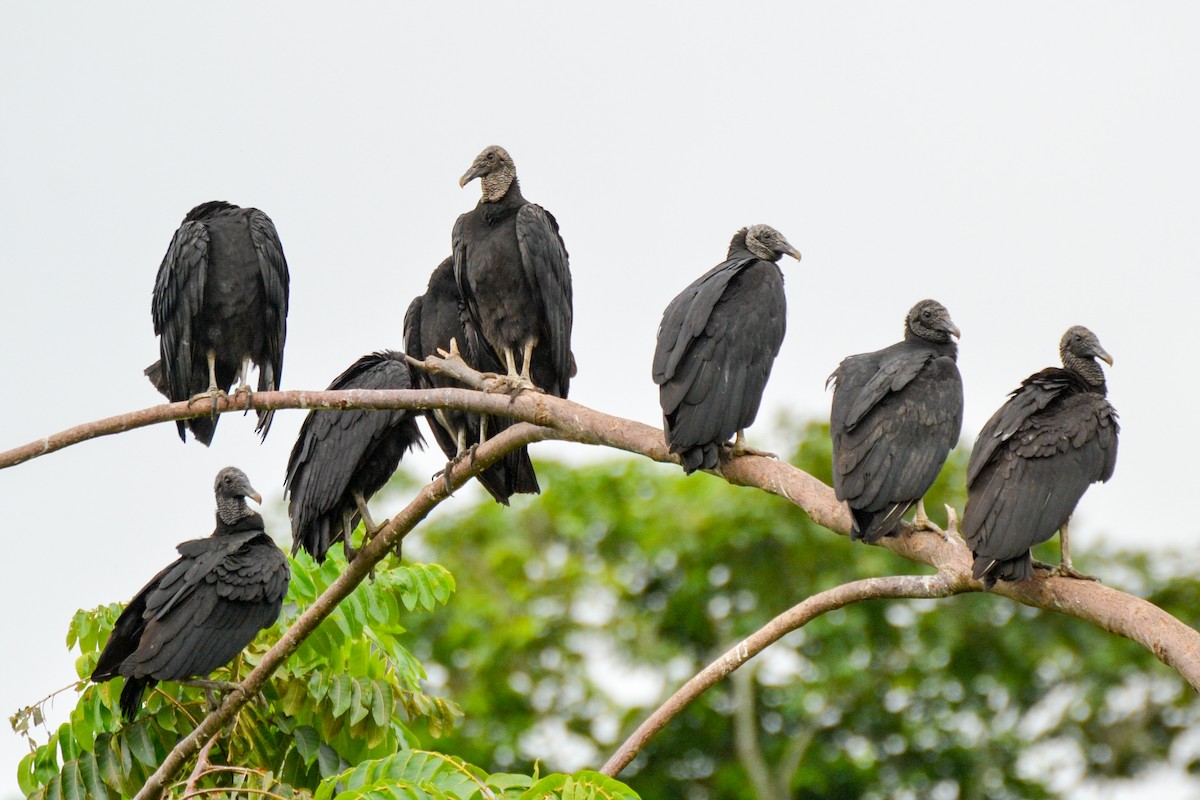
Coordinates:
column 202, row 765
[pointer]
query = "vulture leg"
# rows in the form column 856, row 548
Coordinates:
column 463, row 452
column 361, row 502
column 739, row 448
column 1064, row 568
column 347, row 531
column 527, row 361
column 243, row 384
column 514, row 381
column 213, row 391
column 210, row 689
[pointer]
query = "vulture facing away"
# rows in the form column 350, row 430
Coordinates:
column 342, row 458
column 716, row 344
column 896, row 415
column 198, row 613
column 512, row 273
column 1034, row 459
column 220, row 302
column 432, row 321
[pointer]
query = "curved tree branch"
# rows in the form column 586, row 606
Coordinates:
column 897, row 586
column 1174, row 643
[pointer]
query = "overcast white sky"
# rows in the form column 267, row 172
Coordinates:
column 1032, row 166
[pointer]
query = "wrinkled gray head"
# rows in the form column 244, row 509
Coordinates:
column 768, row 243
column 232, row 488
column 1079, row 349
column 496, row 169
column 929, row 320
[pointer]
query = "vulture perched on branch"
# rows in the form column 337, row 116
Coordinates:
column 432, row 321
column 220, row 302
column 716, row 344
column 1034, row 459
column 198, row 613
column 896, row 415
column 511, row 268
column 342, row 458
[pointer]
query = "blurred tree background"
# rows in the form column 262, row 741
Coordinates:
column 579, row 611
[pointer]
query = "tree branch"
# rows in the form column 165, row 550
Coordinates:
column 897, row 586
column 1174, row 643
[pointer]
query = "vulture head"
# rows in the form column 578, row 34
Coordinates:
column 1079, row 349
column 496, row 171
column 929, row 320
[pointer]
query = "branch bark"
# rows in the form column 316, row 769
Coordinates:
column 1174, row 643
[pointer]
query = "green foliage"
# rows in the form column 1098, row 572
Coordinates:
column 347, row 695
column 420, row 774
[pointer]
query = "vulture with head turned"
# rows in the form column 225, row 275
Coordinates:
column 1034, row 459
column 896, row 414
column 716, row 343
column 511, row 268
column 199, row 612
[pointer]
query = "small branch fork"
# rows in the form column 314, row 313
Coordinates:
column 548, row 417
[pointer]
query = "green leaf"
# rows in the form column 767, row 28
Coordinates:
column 505, row 780
column 308, row 743
column 92, row 781
column 341, row 694
column 382, row 702
column 139, row 744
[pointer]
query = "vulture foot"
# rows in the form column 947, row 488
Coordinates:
column 507, row 384
column 922, row 522
column 446, row 471
column 1068, row 571
column 737, row 450
column 213, row 393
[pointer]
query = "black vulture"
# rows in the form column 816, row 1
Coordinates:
column 341, row 458
column 220, row 302
column 198, row 613
column 1034, row 459
column 432, row 321
column 896, row 415
column 716, row 344
column 511, row 268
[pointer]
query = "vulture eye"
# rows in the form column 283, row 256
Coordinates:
column 491, row 156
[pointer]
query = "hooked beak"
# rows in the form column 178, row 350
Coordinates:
column 791, row 251
column 248, row 492
column 953, row 329
column 1100, row 353
column 476, row 170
